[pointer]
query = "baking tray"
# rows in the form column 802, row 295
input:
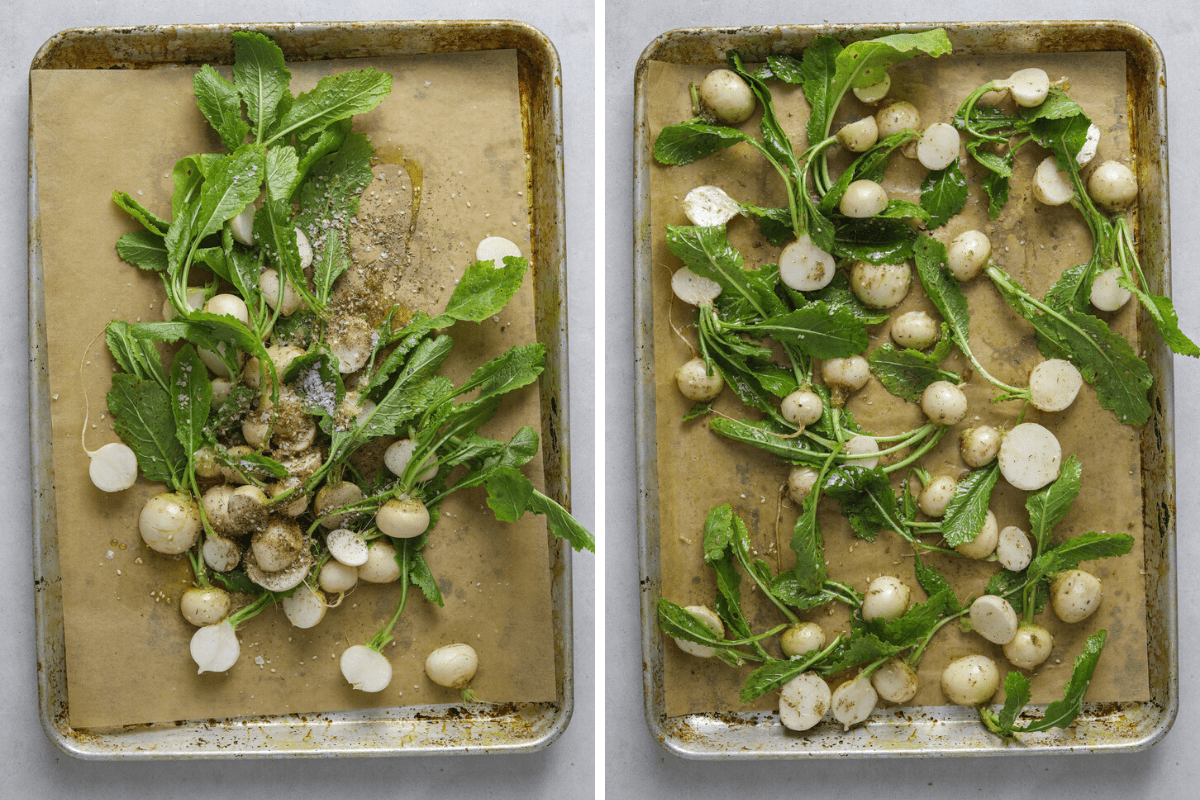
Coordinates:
column 411, row 730
column 940, row 730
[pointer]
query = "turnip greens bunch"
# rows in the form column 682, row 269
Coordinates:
column 267, row 495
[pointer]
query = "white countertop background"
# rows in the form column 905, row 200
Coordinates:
column 32, row 767
column 636, row 767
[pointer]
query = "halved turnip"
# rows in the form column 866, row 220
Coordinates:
column 1053, row 384
column 994, row 619
column 215, row 648
column 351, row 340
column 496, row 249
column 1030, row 457
column 333, row 496
column 280, row 580
column 696, row 384
column 804, row 701
column 693, row 289
column 112, row 468
column 1051, row 186
column 220, row 554
column 1088, row 151
column 1013, row 550
column 366, row 669
column 805, row 267
column 863, row 198
column 305, row 607
column 709, row 206
column 347, row 547
column 854, row 701
column 1028, row 87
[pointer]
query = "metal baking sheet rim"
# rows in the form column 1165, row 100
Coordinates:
column 941, row 730
column 444, row 729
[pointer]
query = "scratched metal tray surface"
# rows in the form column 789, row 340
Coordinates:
column 940, row 730
column 452, row 729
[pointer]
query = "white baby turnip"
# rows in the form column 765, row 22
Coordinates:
column 994, row 619
column 1013, row 550
column 1088, row 151
column 897, row 116
column 895, row 681
column 496, row 249
column 268, row 284
column 802, row 638
column 1051, row 186
column 194, row 300
column 400, row 452
column 805, row 267
column 282, row 580
column 880, row 285
column 276, row 546
column 215, row 648
column 205, row 605
column 303, row 249
column 1028, row 87
column 351, row 340
column 875, row 92
column 970, row 680
column 860, row 136
column 1075, row 595
column 1113, row 186
column 801, row 481
column 863, row 447
column 845, row 375
column 968, row 254
column 305, row 607
column 934, row 498
column 727, row 97
column 216, row 507
column 170, row 523
column 380, row 566
column 693, row 289
column 246, row 508
column 336, row 577
column 112, row 468
column 802, row 407
column 220, row 554
column 452, row 666
column 863, row 198
column 980, row 445
column 696, row 384
column 1053, row 384
column 366, row 669
column 242, row 225
column 915, row 330
column 333, row 496
column 297, row 502
column 1030, row 457
column 804, row 701
column 709, row 206
column 938, row 146
column 712, row 622
column 944, row 403
column 402, row 518
column 886, row 598
column 1030, row 647
column 347, row 547
column 1107, row 293
column 984, row 543
column 854, row 701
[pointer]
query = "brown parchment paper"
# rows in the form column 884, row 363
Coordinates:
column 699, row 469
column 456, row 121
